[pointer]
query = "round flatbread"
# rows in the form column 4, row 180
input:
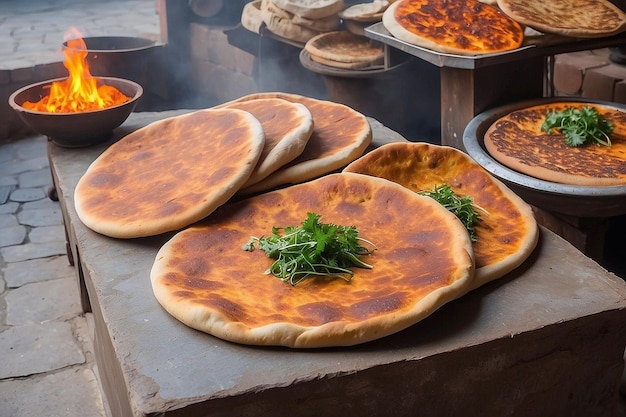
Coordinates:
column 170, row 173
column 462, row 27
column 287, row 127
column 311, row 9
column 365, row 12
column 345, row 47
column 517, row 141
column 204, row 278
column 574, row 18
column 340, row 135
column 507, row 232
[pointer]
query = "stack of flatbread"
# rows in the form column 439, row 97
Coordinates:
column 294, row 20
column 361, row 15
column 344, row 49
column 177, row 171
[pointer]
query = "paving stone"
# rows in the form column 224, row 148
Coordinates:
column 46, row 234
column 8, row 220
column 32, row 251
column 40, row 217
column 22, row 195
column 43, row 301
column 37, row 348
column 67, row 393
column 5, row 192
column 12, row 235
column 39, row 178
column 17, row 167
column 17, row 274
column 9, row 208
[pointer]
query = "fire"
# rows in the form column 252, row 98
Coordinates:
column 80, row 91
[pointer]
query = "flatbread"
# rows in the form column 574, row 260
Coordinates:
column 340, row 135
column 346, row 47
column 517, row 141
column 170, row 173
column 365, row 12
column 204, row 278
column 312, row 9
column 574, row 18
column 286, row 28
column 287, row 127
column 462, row 27
column 507, row 233
column 325, row 24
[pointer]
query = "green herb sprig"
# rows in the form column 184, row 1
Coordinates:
column 580, row 126
column 312, row 249
column 462, row 207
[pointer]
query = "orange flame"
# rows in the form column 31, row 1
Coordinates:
column 80, row 91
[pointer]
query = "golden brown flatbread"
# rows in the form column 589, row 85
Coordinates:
column 517, row 141
column 311, row 9
column 343, row 47
column 462, row 27
column 204, row 278
column 507, row 233
column 287, row 127
column 340, row 135
column 574, row 18
column 170, row 173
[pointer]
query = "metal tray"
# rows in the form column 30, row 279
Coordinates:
column 533, row 46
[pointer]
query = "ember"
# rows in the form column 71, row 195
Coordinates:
column 80, row 91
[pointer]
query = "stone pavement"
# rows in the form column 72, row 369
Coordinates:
column 47, row 365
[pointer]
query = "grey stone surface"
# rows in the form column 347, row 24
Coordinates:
column 8, row 220
column 22, row 195
column 37, row 348
column 47, row 234
column 12, row 235
column 9, row 208
column 41, row 217
column 32, row 251
column 70, row 392
column 17, row 274
column 37, row 178
column 38, row 302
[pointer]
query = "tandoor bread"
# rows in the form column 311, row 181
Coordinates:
column 287, row 127
column 204, row 278
column 170, row 173
column 507, row 233
column 326, row 24
column 312, row 9
column 344, row 49
column 574, row 18
column 517, row 141
column 340, row 135
column 462, row 27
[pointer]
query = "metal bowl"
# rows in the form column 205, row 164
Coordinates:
column 574, row 200
column 78, row 129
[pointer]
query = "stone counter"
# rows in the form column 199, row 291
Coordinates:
column 545, row 340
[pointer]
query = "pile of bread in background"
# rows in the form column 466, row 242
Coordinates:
column 329, row 31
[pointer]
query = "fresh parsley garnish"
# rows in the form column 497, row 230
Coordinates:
column 312, row 249
column 461, row 207
column 580, row 126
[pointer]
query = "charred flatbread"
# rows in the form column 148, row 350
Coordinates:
column 507, row 232
column 462, row 27
column 574, row 18
column 204, row 278
column 287, row 127
column 517, row 141
column 170, row 173
column 340, row 135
